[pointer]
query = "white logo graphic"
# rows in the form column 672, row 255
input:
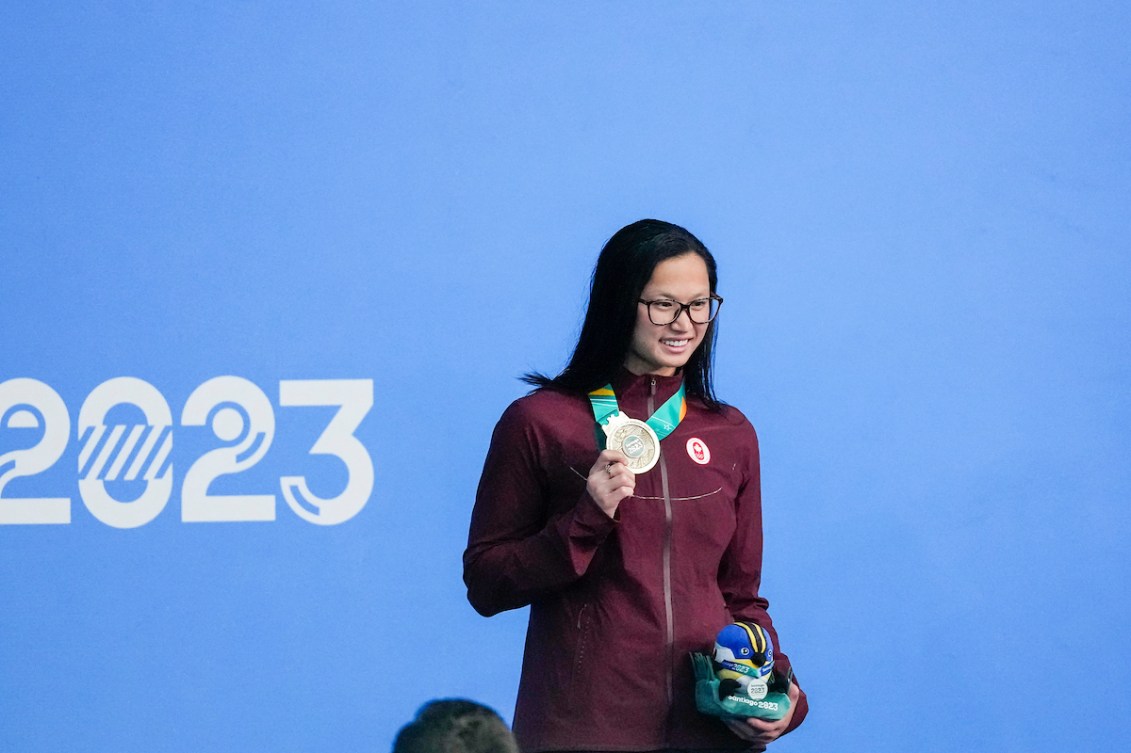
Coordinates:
column 757, row 689
column 241, row 417
column 31, row 407
column 698, row 451
column 115, row 447
column 354, row 399
column 125, row 436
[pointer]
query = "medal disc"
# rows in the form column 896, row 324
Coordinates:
column 635, row 439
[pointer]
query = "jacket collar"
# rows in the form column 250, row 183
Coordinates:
column 634, row 389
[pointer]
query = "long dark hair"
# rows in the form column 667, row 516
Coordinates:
column 623, row 269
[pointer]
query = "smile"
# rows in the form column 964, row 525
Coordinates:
column 675, row 343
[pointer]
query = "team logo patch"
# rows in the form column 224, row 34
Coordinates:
column 697, row 450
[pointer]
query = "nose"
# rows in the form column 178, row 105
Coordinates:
column 683, row 320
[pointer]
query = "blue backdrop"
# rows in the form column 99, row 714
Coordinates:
column 360, row 221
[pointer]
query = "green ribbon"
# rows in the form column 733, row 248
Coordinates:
column 663, row 421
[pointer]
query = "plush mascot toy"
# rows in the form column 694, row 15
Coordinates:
column 739, row 681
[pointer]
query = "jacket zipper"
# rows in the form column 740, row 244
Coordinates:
column 669, row 636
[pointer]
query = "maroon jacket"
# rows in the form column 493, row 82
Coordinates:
column 617, row 604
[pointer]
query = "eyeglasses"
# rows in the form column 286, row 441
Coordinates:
column 701, row 311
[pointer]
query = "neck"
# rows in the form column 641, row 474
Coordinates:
column 640, row 369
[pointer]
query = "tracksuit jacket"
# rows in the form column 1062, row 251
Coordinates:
column 617, row 603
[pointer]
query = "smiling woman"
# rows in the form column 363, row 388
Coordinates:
column 621, row 500
column 663, row 338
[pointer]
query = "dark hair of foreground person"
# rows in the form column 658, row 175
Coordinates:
column 623, row 268
column 455, row 725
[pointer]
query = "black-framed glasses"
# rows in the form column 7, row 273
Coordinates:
column 663, row 311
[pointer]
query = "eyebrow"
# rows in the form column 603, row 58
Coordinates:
column 670, row 297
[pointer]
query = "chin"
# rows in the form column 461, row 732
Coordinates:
column 677, row 365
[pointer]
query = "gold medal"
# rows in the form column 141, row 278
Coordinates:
column 635, row 439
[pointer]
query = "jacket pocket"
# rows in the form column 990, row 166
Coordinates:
column 581, row 644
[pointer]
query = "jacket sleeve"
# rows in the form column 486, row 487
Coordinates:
column 516, row 549
column 740, row 572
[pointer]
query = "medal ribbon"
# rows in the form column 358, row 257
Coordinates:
column 663, row 421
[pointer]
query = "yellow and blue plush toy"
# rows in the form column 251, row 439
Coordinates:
column 739, row 680
column 744, row 653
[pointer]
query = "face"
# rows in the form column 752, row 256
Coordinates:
column 661, row 349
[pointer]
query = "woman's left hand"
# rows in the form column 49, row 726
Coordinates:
column 763, row 730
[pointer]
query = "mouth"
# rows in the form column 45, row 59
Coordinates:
column 674, row 343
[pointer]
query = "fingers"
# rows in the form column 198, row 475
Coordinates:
column 740, row 729
column 611, row 471
column 612, row 476
column 610, row 480
column 743, row 730
column 610, row 456
column 758, row 730
column 764, row 731
column 764, row 727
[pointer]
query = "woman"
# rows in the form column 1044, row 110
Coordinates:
column 626, row 573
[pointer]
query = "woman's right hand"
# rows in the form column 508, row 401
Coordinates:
column 610, row 481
